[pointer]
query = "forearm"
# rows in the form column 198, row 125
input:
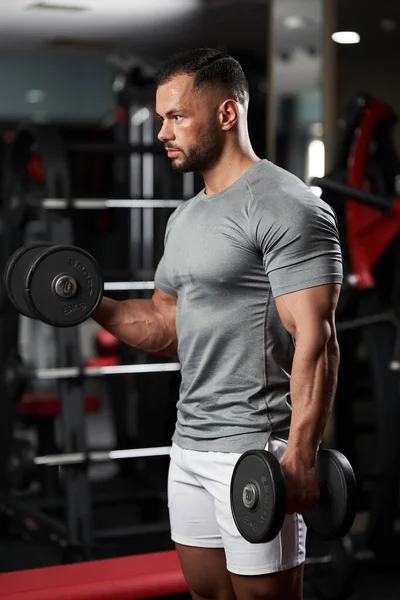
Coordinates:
column 138, row 324
column 312, row 390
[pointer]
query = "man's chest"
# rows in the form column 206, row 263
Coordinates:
column 211, row 252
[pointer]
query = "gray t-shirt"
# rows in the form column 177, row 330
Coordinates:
column 226, row 257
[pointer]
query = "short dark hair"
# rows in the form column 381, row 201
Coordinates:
column 210, row 67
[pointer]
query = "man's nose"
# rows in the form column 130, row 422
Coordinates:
column 166, row 132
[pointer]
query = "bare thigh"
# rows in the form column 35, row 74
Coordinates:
column 205, row 572
column 281, row 585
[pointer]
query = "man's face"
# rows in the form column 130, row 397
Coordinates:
column 190, row 130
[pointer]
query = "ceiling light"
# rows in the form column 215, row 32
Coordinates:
column 294, row 22
column 346, row 37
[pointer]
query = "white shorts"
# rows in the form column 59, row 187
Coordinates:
column 201, row 516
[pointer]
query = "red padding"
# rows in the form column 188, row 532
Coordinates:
column 35, row 168
column 106, row 343
column 130, row 578
column 45, row 404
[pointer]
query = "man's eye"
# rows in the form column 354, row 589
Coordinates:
column 177, row 117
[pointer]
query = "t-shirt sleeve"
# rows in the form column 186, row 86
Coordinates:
column 161, row 280
column 299, row 242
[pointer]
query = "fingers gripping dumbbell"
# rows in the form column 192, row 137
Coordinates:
column 59, row 285
column 258, row 496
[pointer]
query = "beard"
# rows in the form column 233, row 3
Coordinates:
column 203, row 155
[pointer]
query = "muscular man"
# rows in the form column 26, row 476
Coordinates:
column 246, row 294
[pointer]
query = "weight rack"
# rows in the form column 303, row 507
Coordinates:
column 366, row 155
column 55, row 211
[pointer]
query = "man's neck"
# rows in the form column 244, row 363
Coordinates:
column 228, row 170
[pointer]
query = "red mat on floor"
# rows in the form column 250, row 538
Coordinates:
column 128, row 578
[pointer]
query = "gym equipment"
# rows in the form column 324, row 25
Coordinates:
column 33, row 519
column 15, row 274
column 134, row 577
column 60, row 285
column 41, row 168
column 44, row 280
column 24, row 201
column 335, row 512
column 367, row 198
column 64, row 286
column 102, row 203
column 20, row 374
column 332, row 574
column 21, row 466
column 363, row 188
column 71, row 275
column 121, row 286
column 45, row 143
column 14, row 375
column 106, row 344
column 57, row 460
column 77, row 372
column 372, row 215
column 19, row 193
column 258, row 496
column 23, row 461
column 258, row 502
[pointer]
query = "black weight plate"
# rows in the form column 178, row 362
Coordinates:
column 15, row 274
column 64, row 260
column 261, row 471
column 334, row 515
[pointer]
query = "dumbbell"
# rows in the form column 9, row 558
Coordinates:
column 59, row 285
column 258, row 496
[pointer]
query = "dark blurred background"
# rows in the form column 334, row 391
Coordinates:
column 77, row 120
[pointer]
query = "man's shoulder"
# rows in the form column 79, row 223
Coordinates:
column 280, row 191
